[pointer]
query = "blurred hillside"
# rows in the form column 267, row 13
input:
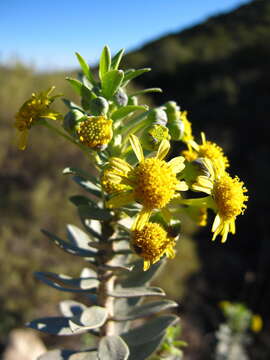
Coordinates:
column 219, row 72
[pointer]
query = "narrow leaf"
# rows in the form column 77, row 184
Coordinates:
column 105, row 62
column 52, row 325
column 117, row 59
column 149, row 331
column 81, row 173
column 137, row 291
column 132, row 74
column 113, row 348
column 76, row 84
column 88, row 186
column 91, row 318
column 86, row 69
column 126, row 110
column 71, row 249
column 65, row 283
column 143, row 352
column 145, row 310
column 146, row 91
column 111, row 82
column 89, row 212
column 78, row 237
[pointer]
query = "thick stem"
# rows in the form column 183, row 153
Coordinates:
column 107, row 286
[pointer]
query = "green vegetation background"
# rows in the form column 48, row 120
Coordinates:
column 219, row 72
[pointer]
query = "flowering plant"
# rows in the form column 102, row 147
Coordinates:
column 132, row 215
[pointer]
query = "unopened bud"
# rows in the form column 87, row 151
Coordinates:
column 98, row 106
column 153, row 135
column 121, row 98
column 175, row 125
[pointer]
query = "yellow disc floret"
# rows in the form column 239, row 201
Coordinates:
column 229, row 196
column 95, row 131
column 155, row 183
column 151, row 243
column 214, row 153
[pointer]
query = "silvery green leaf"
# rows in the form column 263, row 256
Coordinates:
column 116, row 268
column 117, row 59
column 70, row 308
column 71, row 105
column 91, row 318
column 113, row 348
column 93, row 227
column 111, row 82
column 146, row 91
column 132, row 74
column 89, row 212
column 142, row 352
column 88, row 186
column 149, row 331
column 138, row 277
column 126, row 110
column 79, row 238
column 144, row 310
column 121, row 245
column 76, row 84
column 52, row 325
column 78, row 200
column 81, row 173
column 85, row 68
column 136, row 291
column 66, row 283
column 105, row 62
column 69, row 248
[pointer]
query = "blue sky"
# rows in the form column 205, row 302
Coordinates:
column 47, row 33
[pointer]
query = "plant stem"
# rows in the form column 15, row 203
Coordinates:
column 107, row 286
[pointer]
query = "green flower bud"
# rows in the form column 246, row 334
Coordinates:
column 153, row 135
column 157, row 116
column 175, row 125
column 71, row 118
column 98, row 106
column 120, row 98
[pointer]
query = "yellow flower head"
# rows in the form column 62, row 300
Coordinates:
column 151, row 243
column 111, row 182
column 229, row 198
column 153, row 182
column 37, row 107
column 187, row 136
column 95, row 131
column 207, row 150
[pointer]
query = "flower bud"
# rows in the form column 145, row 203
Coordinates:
column 121, row 98
column 153, row 135
column 98, row 106
column 71, row 118
column 175, row 125
column 157, row 116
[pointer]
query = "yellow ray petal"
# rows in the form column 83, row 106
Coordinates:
column 225, row 232
column 121, row 199
column 216, row 223
column 181, row 186
column 146, row 265
column 137, row 148
column 203, row 137
column 232, row 226
column 177, row 164
column 163, row 149
column 141, row 219
column 121, row 165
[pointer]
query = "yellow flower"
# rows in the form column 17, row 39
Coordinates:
column 95, row 131
column 256, row 323
column 34, row 109
column 209, row 150
column 111, row 182
column 151, row 242
column 153, row 182
column 229, row 197
column 226, row 197
column 187, row 136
